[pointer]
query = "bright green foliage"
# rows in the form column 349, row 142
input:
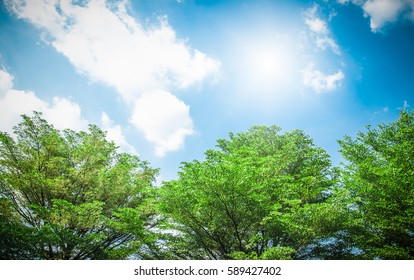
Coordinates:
column 70, row 195
column 273, row 253
column 379, row 184
column 261, row 195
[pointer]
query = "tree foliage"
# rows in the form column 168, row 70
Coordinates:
column 262, row 194
column 379, row 184
column 70, row 195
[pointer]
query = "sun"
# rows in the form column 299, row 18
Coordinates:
column 267, row 66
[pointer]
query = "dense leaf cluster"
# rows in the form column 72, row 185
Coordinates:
column 262, row 194
column 70, row 195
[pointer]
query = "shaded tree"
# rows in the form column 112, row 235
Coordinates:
column 70, row 195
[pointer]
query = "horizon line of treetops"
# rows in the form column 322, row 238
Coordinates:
column 261, row 194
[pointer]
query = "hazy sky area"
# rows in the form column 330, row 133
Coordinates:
column 167, row 78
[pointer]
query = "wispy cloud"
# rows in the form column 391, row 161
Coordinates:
column 321, row 36
column 315, row 23
column 320, row 30
column 327, row 42
column 108, row 45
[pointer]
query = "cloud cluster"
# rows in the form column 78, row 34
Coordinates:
column 382, row 12
column 108, row 45
column 61, row 112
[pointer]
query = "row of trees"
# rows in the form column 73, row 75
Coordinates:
column 262, row 194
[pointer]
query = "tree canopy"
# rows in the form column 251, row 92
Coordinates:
column 379, row 184
column 70, row 195
column 261, row 194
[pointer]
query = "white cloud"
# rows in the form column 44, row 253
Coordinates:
column 382, row 12
column 61, row 112
column 64, row 113
column 41, row 13
column 163, row 119
column 321, row 82
column 327, row 42
column 6, row 83
column 319, row 28
column 321, row 35
column 105, row 43
column 114, row 133
column 315, row 23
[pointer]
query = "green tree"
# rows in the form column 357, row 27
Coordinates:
column 379, row 187
column 261, row 195
column 71, row 195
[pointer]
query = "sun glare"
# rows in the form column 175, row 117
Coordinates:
column 267, row 67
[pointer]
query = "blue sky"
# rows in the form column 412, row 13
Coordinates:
column 167, row 78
